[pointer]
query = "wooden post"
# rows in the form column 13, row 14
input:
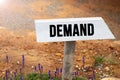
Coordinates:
column 69, row 49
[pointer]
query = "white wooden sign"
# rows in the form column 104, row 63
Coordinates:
column 72, row 29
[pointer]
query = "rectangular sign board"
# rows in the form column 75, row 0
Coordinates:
column 72, row 29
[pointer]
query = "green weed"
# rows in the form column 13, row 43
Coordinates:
column 98, row 60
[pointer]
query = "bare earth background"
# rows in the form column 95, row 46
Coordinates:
column 17, row 32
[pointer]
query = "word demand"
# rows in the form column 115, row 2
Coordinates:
column 71, row 30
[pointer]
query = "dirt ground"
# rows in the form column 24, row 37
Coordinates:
column 17, row 34
column 50, row 55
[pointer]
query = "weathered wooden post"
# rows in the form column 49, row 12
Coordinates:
column 69, row 49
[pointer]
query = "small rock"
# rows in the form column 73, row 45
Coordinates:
column 119, row 57
column 62, row 56
column 95, row 71
column 59, row 60
column 79, row 59
column 105, row 49
column 58, row 54
column 87, row 65
column 18, row 62
column 107, row 68
column 45, row 43
column 3, row 72
column 84, row 70
column 101, row 71
column 96, row 53
column 100, row 66
column 11, row 72
column 110, row 78
column 111, row 66
column 84, row 51
column 45, row 55
column 32, row 67
column 77, row 66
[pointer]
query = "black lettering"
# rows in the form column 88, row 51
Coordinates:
column 83, row 30
column 90, row 29
column 75, row 30
column 67, row 30
column 59, row 30
column 52, row 31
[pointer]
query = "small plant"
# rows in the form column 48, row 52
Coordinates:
column 80, row 78
column 44, row 77
column 17, row 77
column 110, row 61
column 23, row 61
column 36, row 76
column 33, row 76
column 7, row 58
column 98, row 75
column 83, row 61
column 98, row 60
